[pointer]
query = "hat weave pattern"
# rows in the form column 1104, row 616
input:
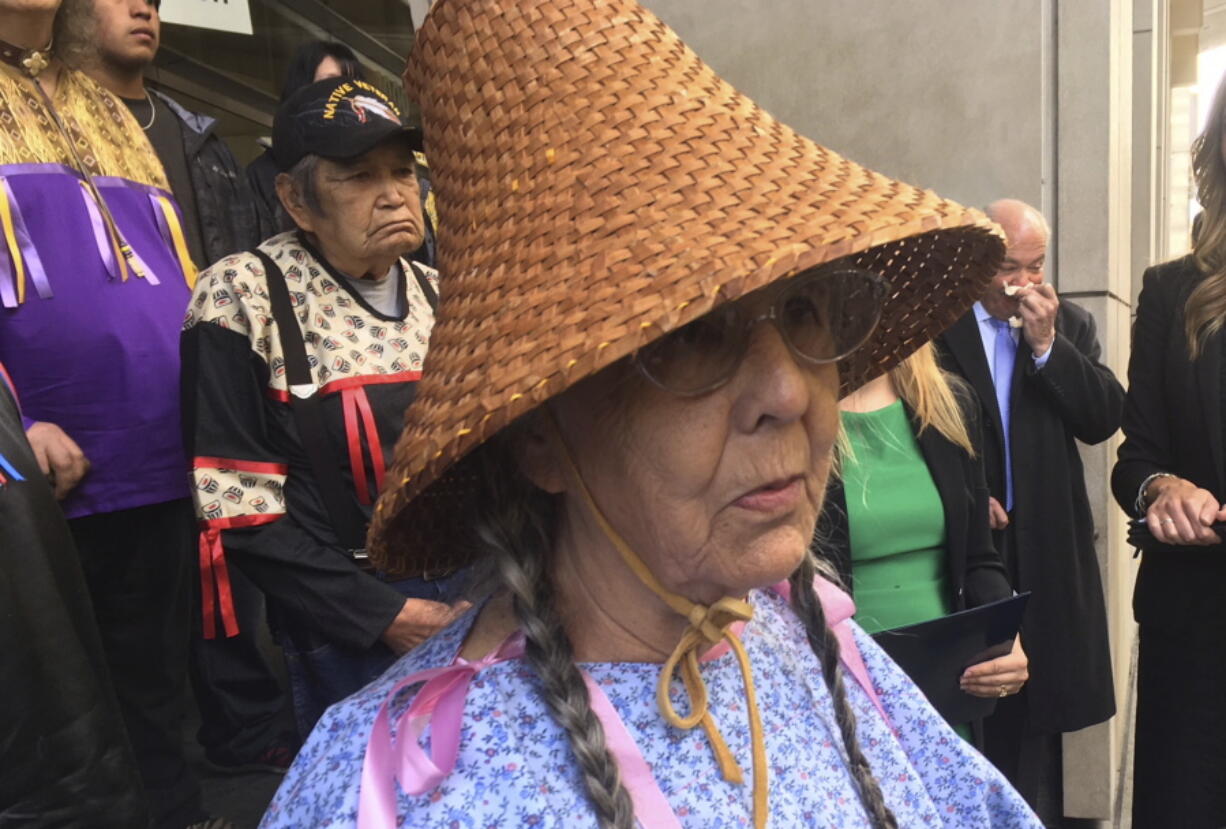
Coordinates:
column 598, row 185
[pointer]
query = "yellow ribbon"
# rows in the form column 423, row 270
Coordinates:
column 10, row 240
column 708, row 626
column 180, row 241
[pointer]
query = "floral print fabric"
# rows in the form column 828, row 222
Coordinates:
column 516, row 767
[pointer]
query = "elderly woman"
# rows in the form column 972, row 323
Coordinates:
column 628, row 422
column 300, row 358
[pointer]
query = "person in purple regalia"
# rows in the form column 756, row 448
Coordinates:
column 94, row 280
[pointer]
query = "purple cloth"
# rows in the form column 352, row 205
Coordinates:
column 1004, row 356
column 100, row 358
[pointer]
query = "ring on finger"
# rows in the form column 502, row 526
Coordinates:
column 1167, row 521
column 1004, row 692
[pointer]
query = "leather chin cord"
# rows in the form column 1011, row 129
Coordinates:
column 709, row 625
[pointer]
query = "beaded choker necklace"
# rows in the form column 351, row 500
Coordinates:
column 29, row 61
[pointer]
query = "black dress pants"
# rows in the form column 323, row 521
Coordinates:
column 239, row 697
column 136, row 565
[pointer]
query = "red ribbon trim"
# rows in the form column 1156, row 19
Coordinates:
column 282, row 395
column 373, row 444
column 357, row 405
column 12, row 387
column 353, row 437
column 370, row 380
column 216, row 595
column 205, row 462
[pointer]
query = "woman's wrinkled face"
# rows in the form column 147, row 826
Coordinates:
column 718, row 494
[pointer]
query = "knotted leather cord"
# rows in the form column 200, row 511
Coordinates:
column 709, row 625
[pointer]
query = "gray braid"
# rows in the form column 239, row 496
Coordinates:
column 517, row 525
column 821, row 639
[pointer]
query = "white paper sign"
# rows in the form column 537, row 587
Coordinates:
column 223, row 15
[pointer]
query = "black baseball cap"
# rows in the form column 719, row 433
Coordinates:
column 338, row 119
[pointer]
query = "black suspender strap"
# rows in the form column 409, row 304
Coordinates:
column 304, row 401
column 426, row 287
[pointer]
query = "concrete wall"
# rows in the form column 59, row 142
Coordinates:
column 1030, row 99
column 945, row 94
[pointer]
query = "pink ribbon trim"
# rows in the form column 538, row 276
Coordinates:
column 439, row 704
column 651, row 808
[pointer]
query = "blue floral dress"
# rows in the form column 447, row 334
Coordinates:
column 515, row 767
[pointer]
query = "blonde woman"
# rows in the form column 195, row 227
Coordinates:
column 1170, row 472
column 906, row 521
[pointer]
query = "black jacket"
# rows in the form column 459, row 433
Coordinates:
column 64, row 755
column 976, row 574
column 232, row 219
column 1173, row 423
column 262, row 179
column 1049, row 544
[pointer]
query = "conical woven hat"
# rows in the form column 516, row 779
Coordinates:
column 598, row 184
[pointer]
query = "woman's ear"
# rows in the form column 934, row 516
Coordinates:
column 538, row 453
column 291, row 200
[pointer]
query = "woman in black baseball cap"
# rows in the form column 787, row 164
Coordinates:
column 300, row 358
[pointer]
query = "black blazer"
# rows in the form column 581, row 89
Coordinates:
column 1173, row 423
column 1049, row 544
column 976, row 574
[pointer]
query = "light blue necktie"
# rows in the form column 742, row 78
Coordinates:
column 1004, row 355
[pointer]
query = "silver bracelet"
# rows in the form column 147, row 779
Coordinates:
column 1139, row 505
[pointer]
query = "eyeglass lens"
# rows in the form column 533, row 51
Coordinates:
column 823, row 316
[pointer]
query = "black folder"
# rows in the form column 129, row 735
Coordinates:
column 935, row 653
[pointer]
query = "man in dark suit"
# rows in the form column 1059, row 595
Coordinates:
column 1034, row 360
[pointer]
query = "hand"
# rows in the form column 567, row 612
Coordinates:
column 417, row 621
column 1037, row 305
column 1180, row 512
column 998, row 677
column 58, row 456
column 998, row 519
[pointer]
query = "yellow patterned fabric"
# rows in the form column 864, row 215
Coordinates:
column 107, row 137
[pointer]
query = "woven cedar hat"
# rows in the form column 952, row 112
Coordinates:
column 598, row 185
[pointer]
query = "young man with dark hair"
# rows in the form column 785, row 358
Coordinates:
column 221, row 216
